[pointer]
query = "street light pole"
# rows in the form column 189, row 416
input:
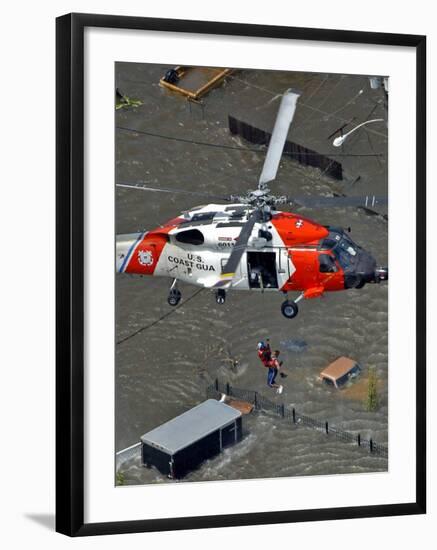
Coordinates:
column 338, row 141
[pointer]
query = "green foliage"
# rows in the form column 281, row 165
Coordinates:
column 120, row 479
column 372, row 392
column 126, row 101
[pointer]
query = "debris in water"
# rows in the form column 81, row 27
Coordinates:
column 193, row 82
column 125, row 101
column 297, row 346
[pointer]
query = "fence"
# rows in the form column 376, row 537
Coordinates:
column 261, row 403
column 297, row 152
column 126, row 454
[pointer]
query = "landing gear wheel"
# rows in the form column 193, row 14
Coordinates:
column 174, row 297
column 220, row 296
column 354, row 280
column 289, row 309
column 361, row 283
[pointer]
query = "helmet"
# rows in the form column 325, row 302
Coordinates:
column 261, row 345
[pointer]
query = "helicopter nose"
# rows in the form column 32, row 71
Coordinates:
column 370, row 273
column 381, row 274
column 363, row 270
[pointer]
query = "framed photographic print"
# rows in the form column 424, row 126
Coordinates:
column 240, row 274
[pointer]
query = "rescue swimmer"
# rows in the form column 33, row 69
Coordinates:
column 271, row 362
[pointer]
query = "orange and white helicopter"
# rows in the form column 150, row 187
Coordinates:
column 247, row 244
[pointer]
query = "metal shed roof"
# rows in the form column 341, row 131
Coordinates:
column 189, row 427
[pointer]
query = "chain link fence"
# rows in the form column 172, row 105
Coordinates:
column 261, row 403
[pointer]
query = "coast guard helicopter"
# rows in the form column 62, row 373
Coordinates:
column 247, row 244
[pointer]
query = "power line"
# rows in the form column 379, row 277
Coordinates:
column 142, row 329
column 235, row 147
column 306, row 105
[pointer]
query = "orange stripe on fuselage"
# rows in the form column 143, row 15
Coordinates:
column 147, row 253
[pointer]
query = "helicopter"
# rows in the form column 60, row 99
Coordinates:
column 243, row 242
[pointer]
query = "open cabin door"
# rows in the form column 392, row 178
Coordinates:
column 285, row 267
column 262, row 269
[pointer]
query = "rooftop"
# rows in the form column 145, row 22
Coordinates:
column 189, row 427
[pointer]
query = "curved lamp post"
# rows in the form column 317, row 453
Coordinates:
column 338, row 141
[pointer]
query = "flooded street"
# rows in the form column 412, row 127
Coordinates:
column 164, row 369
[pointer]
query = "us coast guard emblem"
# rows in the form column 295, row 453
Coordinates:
column 145, row 257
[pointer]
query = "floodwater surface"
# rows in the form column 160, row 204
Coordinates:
column 165, row 368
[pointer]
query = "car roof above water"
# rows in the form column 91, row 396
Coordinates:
column 338, row 368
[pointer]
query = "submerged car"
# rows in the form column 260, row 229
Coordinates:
column 340, row 371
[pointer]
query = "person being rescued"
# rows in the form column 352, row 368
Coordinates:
column 264, row 352
column 271, row 362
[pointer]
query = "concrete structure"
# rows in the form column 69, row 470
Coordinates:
column 183, row 443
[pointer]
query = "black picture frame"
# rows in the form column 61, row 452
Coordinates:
column 70, row 273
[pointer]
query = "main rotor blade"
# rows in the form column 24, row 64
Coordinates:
column 167, row 190
column 367, row 201
column 240, row 246
column 279, row 135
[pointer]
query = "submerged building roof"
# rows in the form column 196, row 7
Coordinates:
column 189, row 427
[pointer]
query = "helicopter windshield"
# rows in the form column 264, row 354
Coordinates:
column 344, row 249
column 347, row 245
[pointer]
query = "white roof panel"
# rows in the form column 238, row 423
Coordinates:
column 189, row 427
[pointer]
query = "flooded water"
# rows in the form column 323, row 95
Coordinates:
column 163, row 370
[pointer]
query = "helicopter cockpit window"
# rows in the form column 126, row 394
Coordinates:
column 327, row 264
column 191, row 236
column 344, row 249
column 347, row 245
column 203, row 216
column 328, row 244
